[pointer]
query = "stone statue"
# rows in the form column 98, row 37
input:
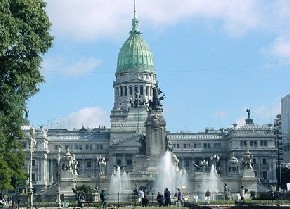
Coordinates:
column 74, row 165
column 158, row 95
column 137, row 102
column 247, row 160
column 102, row 164
column 142, row 148
column 249, row 113
column 169, row 146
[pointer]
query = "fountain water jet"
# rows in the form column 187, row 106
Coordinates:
column 120, row 185
column 210, row 182
column 169, row 175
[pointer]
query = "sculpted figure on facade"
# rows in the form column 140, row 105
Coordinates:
column 102, row 164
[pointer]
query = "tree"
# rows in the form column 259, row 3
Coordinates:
column 83, row 192
column 24, row 39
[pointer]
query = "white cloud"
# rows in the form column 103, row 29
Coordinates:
column 88, row 117
column 279, row 48
column 240, row 122
column 88, row 20
column 268, row 112
column 220, row 114
column 76, row 68
column 94, row 19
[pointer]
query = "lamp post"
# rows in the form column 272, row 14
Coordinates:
column 32, row 142
column 58, row 198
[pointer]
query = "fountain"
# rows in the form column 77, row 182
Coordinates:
column 120, row 185
column 169, row 175
column 210, row 181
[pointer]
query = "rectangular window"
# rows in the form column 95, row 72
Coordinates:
column 141, row 90
column 129, row 162
column 101, row 146
column 121, row 89
column 243, row 143
column 130, row 90
column 87, row 146
column 147, row 90
column 194, row 145
column 177, row 146
column 263, row 143
column 184, row 146
column 265, row 174
column 264, row 161
column 89, row 164
column 205, row 145
column 33, row 177
column 125, row 89
column 119, row 162
column 33, row 162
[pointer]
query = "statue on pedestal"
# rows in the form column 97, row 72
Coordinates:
column 102, row 164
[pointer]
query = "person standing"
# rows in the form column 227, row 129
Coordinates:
column 167, row 197
column 179, row 197
column 242, row 192
column 103, row 197
column 159, row 199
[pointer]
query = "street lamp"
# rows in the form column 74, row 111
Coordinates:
column 58, row 198
column 32, row 143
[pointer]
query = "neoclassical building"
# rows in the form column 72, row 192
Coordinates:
column 136, row 91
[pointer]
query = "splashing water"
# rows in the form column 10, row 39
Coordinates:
column 120, row 185
column 169, row 175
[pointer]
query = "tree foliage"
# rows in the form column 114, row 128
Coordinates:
column 24, row 38
column 83, row 192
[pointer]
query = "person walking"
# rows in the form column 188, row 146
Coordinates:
column 167, row 197
column 141, row 196
column 179, row 197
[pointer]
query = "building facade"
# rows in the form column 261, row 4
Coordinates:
column 285, row 123
column 135, row 92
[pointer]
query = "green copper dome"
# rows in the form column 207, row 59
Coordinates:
column 135, row 54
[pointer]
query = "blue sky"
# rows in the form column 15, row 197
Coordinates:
column 214, row 59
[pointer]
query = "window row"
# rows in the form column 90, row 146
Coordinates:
column 133, row 90
column 197, row 145
column 79, row 146
column 252, row 143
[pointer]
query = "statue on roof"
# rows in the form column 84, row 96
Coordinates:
column 249, row 113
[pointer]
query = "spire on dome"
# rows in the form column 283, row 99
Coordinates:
column 135, row 22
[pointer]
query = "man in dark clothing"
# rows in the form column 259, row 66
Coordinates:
column 103, row 196
column 159, row 199
column 167, row 197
